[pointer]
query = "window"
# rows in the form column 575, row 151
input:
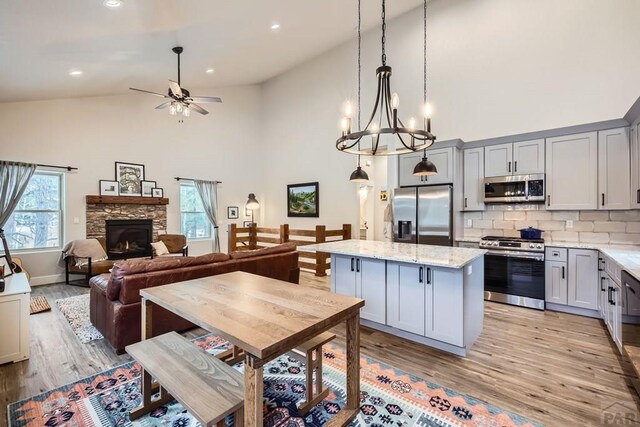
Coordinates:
column 193, row 220
column 36, row 223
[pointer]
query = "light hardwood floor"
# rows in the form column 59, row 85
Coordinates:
column 559, row 369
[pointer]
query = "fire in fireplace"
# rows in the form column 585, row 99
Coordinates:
column 129, row 238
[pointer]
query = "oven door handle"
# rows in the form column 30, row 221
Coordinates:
column 520, row 255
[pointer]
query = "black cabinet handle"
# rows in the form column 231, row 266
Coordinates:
column 602, row 199
column 358, row 265
column 563, row 271
column 351, row 264
column 609, row 295
column 428, row 275
column 421, row 275
column 548, row 199
column 465, row 202
column 602, row 289
column 613, row 302
column 509, row 167
column 600, row 266
column 515, row 166
column 638, row 195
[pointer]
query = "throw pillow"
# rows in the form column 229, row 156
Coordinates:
column 160, row 248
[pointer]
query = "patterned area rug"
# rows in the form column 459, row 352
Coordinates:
column 38, row 305
column 389, row 397
column 76, row 311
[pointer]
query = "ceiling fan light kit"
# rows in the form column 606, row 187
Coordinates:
column 180, row 100
column 384, row 119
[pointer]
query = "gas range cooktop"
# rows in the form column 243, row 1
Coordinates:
column 512, row 243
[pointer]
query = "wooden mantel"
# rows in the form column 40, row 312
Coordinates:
column 126, row 200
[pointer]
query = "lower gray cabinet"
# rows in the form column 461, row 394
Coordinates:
column 406, row 297
column 582, row 285
column 443, row 311
column 555, row 282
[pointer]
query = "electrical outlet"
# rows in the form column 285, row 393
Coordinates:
column 470, row 270
column 469, row 223
column 569, row 224
column 76, row 220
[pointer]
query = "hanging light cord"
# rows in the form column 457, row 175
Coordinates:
column 424, row 69
column 359, row 71
column 384, row 31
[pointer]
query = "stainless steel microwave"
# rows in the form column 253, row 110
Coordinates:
column 514, row 189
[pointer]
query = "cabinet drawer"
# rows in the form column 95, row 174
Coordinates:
column 555, row 254
column 613, row 269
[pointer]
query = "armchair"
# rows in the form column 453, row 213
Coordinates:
column 176, row 244
column 86, row 265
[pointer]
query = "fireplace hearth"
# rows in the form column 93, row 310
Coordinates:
column 129, row 238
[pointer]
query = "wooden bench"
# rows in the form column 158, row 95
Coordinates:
column 313, row 351
column 206, row 386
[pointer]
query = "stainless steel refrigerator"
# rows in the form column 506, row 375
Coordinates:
column 423, row 215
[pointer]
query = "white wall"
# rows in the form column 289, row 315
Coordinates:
column 93, row 133
column 496, row 67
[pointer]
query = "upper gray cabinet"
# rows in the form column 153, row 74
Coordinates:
column 614, row 191
column 572, row 172
column 635, row 165
column 519, row 158
column 441, row 157
column 473, row 178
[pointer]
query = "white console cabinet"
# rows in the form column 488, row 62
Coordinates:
column 14, row 319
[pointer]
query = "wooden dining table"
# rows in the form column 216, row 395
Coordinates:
column 265, row 318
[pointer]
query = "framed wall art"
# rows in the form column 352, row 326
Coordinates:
column 157, row 192
column 147, row 188
column 233, row 212
column 129, row 177
column 109, row 188
column 303, row 200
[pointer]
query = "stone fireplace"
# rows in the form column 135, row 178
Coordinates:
column 104, row 210
column 128, row 238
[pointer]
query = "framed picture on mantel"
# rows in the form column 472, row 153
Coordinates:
column 129, row 177
column 303, row 200
column 108, row 188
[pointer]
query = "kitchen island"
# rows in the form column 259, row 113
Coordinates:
column 433, row 295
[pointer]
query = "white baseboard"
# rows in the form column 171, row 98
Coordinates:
column 46, row 280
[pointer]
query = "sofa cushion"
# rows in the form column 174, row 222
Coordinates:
column 160, row 248
column 285, row 247
column 100, row 282
column 139, row 266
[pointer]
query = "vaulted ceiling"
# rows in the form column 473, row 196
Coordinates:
column 42, row 41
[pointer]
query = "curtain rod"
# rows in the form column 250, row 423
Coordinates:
column 68, row 168
column 177, row 178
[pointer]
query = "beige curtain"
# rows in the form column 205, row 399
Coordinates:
column 208, row 192
column 14, row 178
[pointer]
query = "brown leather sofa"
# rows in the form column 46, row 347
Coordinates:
column 115, row 306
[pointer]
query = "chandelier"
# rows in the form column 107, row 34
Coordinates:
column 385, row 119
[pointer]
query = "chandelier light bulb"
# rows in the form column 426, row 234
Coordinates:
column 428, row 111
column 348, row 109
column 344, row 124
column 395, row 101
column 186, row 112
column 374, row 128
column 179, row 108
column 172, row 109
column 412, row 123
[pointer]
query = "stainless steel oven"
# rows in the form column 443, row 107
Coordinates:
column 514, row 189
column 514, row 271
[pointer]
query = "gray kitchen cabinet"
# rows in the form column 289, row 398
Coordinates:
column 556, row 282
column 473, row 179
column 443, row 313
column 635, row 164
column 614, row 176
column 582, row 285
column 442, row 158
column 362, row 278
column 572, row 172
column 406, row 297
column 528, row 157
column 498, row 160
column 518, row 158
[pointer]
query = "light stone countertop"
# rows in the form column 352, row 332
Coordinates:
column 441, row 256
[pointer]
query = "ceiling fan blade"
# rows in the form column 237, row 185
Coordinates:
column 198, row 109
column 205, row 99
column 163, row 105
column 147, row 91
column 175, row 89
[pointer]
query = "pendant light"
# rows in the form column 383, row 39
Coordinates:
column 358, row 175
column 385, row 119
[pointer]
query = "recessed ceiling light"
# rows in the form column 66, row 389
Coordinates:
column 75, row 73
column 112, row 3
column 275, row 26
column 210, row 70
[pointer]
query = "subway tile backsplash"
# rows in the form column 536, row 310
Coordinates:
column 614, row 227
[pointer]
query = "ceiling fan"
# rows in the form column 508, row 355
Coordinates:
column 180, row 100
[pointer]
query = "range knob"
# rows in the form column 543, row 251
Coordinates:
column 539, row 246
column 495, row 243
column 531, row 245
